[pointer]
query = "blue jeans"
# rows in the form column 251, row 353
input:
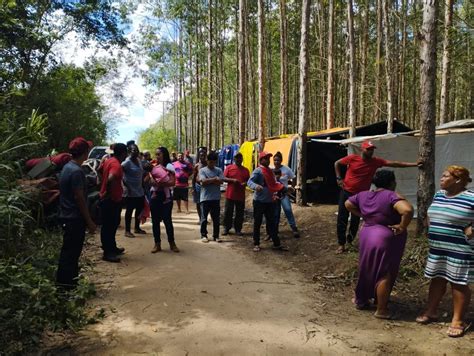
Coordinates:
column 285, row 203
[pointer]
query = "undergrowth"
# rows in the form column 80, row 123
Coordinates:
column 30, row 303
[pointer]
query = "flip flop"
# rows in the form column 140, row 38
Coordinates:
column 426, row 319
column 383, row 316
column 458, row 331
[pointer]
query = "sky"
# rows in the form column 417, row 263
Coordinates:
column 136, row 115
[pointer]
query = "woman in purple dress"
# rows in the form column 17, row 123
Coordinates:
column 382, row 240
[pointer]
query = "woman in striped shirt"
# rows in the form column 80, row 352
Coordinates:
column 451, row 254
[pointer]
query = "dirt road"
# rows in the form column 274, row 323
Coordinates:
column 206, row 300
column 224, row 299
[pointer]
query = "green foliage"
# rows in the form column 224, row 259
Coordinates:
column 414, row 260
column 29, row 30
column 29, row 301
column 156, row 136
column 68, row 95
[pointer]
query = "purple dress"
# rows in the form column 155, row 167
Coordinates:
column 380, row 251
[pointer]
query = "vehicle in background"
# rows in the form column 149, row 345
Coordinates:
column 97, row 152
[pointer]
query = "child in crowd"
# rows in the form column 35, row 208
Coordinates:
column 162, row 175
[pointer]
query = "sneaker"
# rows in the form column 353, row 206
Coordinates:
column 296, row 233
column 111, row 258
column 280, row 248
column 204, row 239
column 225, row 233
column 140, row 231
column 216, row 239
column 129, row 234
column 173, row 247
column 156, row 248
column 256, row 248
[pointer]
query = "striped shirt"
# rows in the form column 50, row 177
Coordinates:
column 451, row 254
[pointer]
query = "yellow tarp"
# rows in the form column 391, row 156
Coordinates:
column 247, row 150
column 280, row 144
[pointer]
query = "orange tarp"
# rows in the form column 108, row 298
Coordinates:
column 280, row 144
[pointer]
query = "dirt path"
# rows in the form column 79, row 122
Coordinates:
column 223, row 299
column 207, row 300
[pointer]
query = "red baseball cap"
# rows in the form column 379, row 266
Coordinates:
column 264, row 154
column 79, row 145
column 368, row 145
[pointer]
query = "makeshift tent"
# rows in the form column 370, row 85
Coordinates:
column 453, row 146
column 226, row 155
column 280, row 144
column 323, row 150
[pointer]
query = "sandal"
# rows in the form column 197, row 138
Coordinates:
column 341, row 249
column 388, row 316
column 458, row 331
column 426, row 319
column 256, row 249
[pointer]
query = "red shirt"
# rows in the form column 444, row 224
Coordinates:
column 112, row 166
column 236, row 191
column 360, row 172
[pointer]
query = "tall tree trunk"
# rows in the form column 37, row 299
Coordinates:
column 388, row 63
column 426, row 185
column 234, row 113
column 269, row 83
column 262, row 112
column 322, row 89
column 352, row 109
column 445, row 71
column 402, row 69
column 210, row 88
column 251, row 82
column 363, row 59
column 242, row 71
column 303, row 106
column 416, row 59
column 378, row 64
column 330, row 82
column 283, row 116
column 191, row 95
column 221, row 91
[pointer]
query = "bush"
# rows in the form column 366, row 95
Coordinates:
column 29, row 300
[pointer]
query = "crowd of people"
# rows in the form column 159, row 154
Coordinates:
column 135, row 180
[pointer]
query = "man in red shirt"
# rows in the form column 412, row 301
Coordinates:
column 236, row 177
column 111, row 192
column 360, row 170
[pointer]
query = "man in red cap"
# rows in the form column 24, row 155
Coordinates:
column 264, row 183
column 73, row 213
column 359, row 173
